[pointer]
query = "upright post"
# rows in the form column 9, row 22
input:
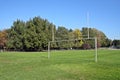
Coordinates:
column 95, row 49
column 48, row 50
column 88, row 33
column 53, row 38
column 88, row 23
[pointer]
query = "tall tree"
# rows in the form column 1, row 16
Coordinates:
column 33, row 35
column 15, row 35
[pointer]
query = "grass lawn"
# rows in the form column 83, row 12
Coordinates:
column 62, row 65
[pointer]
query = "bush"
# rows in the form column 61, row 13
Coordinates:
column 86, row 46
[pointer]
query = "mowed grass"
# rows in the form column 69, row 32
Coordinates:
column 62, row 65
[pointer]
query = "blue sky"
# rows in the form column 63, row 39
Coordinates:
column 104, row 15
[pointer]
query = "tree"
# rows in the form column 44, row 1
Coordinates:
column 108, row 42
column 15, row 35
column 3, row 39
column 101, row 37
column 62, row 33
column 84, row 32
column 32, row 35
column 38, row 34
column 116, row 43
column 77, row 35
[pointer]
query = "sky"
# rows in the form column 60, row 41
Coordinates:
column 104, row 15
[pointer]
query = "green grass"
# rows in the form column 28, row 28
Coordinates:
column 62, row 65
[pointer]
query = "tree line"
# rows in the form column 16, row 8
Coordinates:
column 116, row 44
column 34, row 35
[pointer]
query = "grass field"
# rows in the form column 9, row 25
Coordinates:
column 62, row 65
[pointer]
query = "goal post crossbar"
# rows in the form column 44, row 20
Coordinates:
column 95, row 39
column 71, row 40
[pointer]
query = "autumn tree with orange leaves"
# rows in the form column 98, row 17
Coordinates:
column 3, row 39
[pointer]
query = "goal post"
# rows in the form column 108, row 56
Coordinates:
column 95, row 49
column 95, row 45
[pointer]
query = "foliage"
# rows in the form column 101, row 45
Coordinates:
column 102, row 40
column 77, row 34
column 116, row 43
column 62, row 33
column 3, row 39
column 34, row 35
column 86, row 46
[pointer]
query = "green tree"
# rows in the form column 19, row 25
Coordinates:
column 62, row 33
column 15, row 35
column 32, row 35
column 35, row 34
column 101, row 37
column 116, row 43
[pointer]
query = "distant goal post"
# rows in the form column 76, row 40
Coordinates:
column 95, row 45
